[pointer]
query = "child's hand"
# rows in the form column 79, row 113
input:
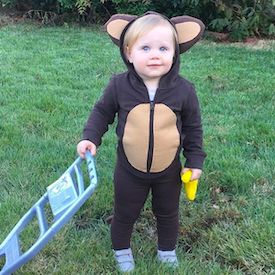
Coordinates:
column 196, row 173
column 85, row 145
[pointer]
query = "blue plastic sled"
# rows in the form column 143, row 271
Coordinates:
column 65, row 197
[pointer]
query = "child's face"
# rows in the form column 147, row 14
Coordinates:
column 152, row 54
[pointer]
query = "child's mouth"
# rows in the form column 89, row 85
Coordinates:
column 154, row 65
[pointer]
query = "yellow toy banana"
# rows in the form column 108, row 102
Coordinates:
column 189, row 186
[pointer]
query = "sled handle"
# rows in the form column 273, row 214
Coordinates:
column 10, row 248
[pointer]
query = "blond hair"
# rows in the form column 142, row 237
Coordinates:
column 142, row 26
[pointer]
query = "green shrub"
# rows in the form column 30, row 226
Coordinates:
column 239, row 18
column 136, row 7
column 244, row 18
column 30, row 4
column 7, row 2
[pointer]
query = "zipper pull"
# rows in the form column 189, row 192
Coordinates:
column 152, row 105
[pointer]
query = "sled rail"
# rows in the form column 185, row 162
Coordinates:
column 65, row 197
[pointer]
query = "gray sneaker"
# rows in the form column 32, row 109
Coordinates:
column 168, row 257
column 124, row 259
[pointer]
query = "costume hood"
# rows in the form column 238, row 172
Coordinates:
column 189, row 30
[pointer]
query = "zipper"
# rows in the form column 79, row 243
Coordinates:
column 151, row 137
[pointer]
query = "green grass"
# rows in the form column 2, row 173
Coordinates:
column 50, row 78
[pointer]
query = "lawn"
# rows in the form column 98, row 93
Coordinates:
column 49, row 80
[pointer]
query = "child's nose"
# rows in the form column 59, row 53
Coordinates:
column 155, row 54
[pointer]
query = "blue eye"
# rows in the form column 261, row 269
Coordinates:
column 163, row 49
column 145, row 48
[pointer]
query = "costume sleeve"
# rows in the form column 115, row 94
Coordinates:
column 192, row 131
column 101, row 115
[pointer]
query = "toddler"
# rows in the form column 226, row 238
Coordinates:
column 158, row 117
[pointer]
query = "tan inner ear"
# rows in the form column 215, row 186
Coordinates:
column 116, row 27
column 187, row 31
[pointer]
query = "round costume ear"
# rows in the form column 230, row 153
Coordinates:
column 116, row 24
column 189, row 30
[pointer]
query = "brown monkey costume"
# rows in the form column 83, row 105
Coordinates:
column 151, row 135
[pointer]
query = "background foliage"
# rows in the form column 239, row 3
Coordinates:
column 239, row 18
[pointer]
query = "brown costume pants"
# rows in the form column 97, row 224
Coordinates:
column 130, row 195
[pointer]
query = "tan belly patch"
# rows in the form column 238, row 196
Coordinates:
column 136, row 137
